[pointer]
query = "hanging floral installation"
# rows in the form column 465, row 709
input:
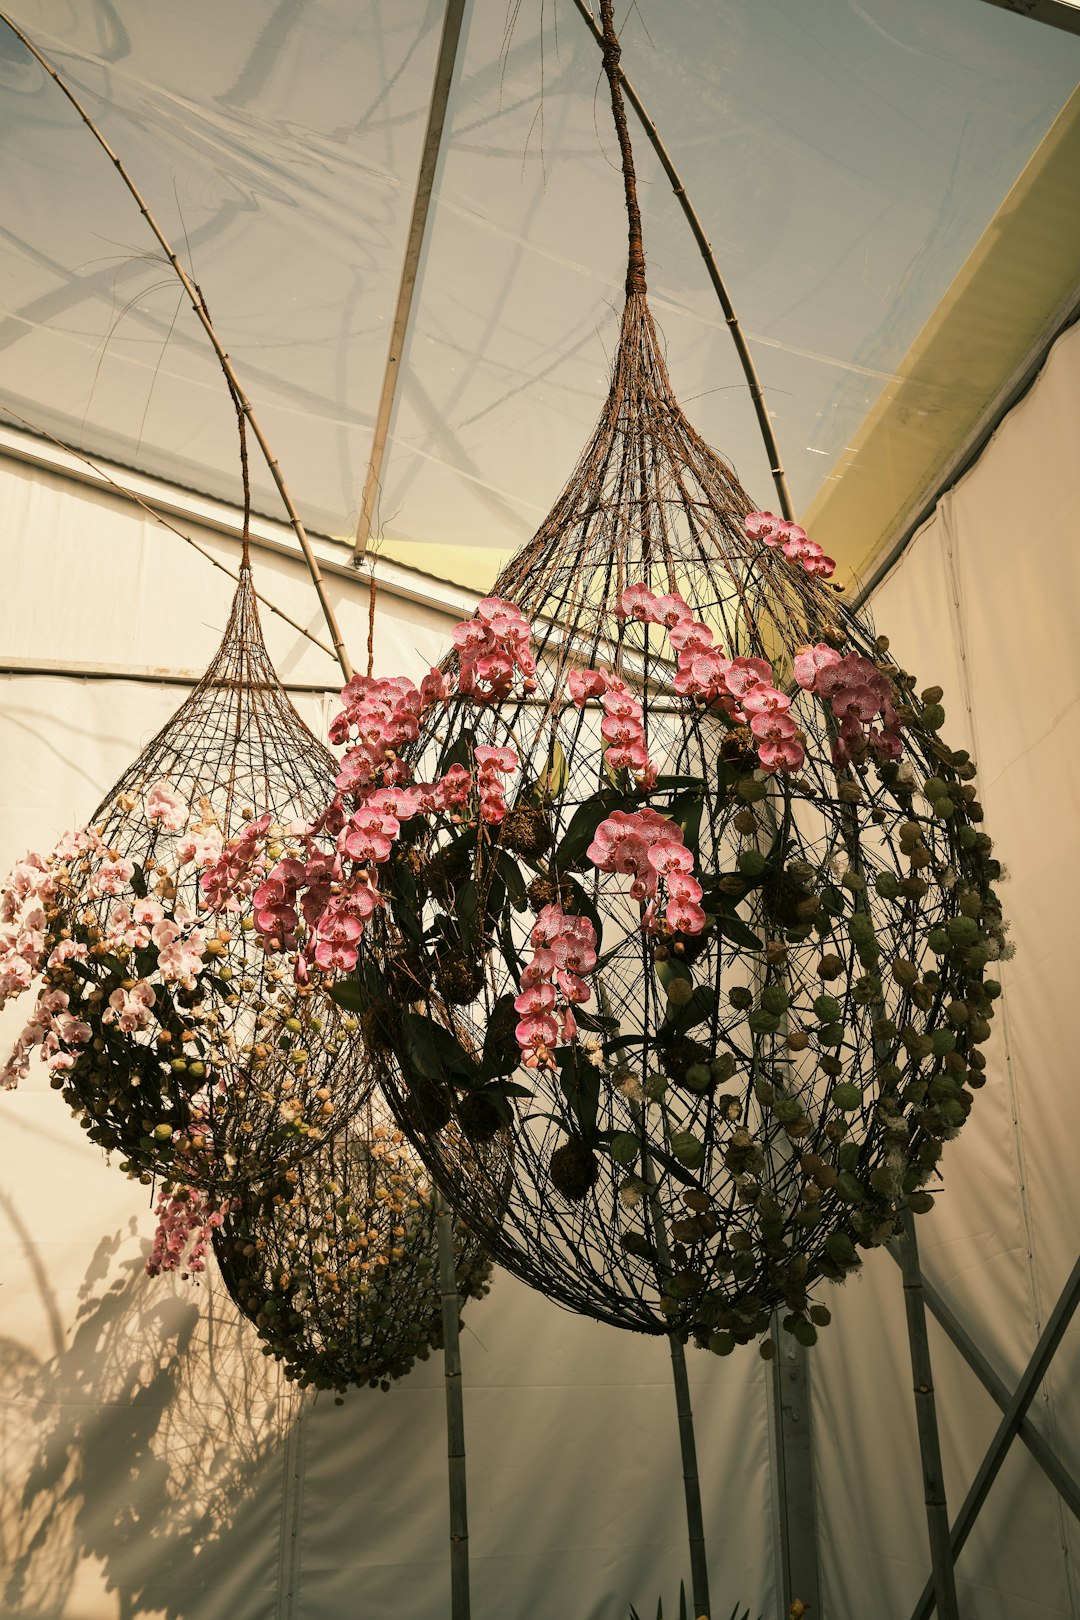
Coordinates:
column 670, row 871
column 709, row 935
column 335, row 1263
column 173, row 1035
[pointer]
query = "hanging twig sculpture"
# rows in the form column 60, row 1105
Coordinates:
column 177, row 1041
column 731, row 934
column 670, row 868
column 336, row 1261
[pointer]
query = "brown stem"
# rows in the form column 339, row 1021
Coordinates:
column 635, row 261
column 198, row 304
column 746, row 360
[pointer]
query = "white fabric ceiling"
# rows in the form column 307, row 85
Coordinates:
column 844, row 157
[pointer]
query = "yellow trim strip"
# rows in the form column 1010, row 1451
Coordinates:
column 1008, row 296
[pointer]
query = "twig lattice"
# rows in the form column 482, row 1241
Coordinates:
column 693, row 1163
column 238, row 1071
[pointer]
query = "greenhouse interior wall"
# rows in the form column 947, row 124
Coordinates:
column 153, row 1462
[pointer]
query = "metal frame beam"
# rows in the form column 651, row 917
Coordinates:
column 1058, row 13
column 1009, row 1427
column 429, row 158
column 1065, row 1483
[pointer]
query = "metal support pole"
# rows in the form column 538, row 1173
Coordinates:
column 799, row 1573
column 1065, row 1483
column 943, row 1582
column 429, row 158
column 1034, row 1373
column 455, row 1413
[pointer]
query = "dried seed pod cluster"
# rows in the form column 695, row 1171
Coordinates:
column 336, row 1263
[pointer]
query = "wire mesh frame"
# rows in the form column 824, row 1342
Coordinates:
column 789, row 1181
column 244, row 1072
column 335, row 1262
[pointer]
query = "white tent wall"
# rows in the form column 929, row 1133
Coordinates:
column 984, row 603
column 151, row 1462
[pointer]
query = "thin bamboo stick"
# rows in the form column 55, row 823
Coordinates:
column 455, row 1414
column 937, row 1512
column 198, row 304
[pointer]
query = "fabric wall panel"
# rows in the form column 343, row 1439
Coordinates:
column 984, row 601
column 575, row 1499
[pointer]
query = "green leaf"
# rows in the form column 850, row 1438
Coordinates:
column 466, row 907
column 675, row 784
column 686, row 812
column 832, row 900
column 581, row 1088
column 350, row 994
column 460, row 751
column 405, row 900
column 583, row 904
column 698, row 1010
column 550, row 783
column 433, row 1051
column 500, row 1056
column 670, row 970
column 735, row 929
column 510, row 872
column 594, row 1021
column 583, row 824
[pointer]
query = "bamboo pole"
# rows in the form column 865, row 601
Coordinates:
column 738, row 337
column 695, row 1519
column 455, row 1413
column 198, row 304
column 937, row 1512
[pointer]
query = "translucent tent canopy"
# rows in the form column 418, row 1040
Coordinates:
column 845, row 158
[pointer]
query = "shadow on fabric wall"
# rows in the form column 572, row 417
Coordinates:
column 144, row 1444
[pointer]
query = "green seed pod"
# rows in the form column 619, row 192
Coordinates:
column 962, row 930
column 775, row 999
column 751, row 863
column 839, row 1248
column 827, row 1009
column 689, row 1151
column 846, row 1097
column 850, row 1188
